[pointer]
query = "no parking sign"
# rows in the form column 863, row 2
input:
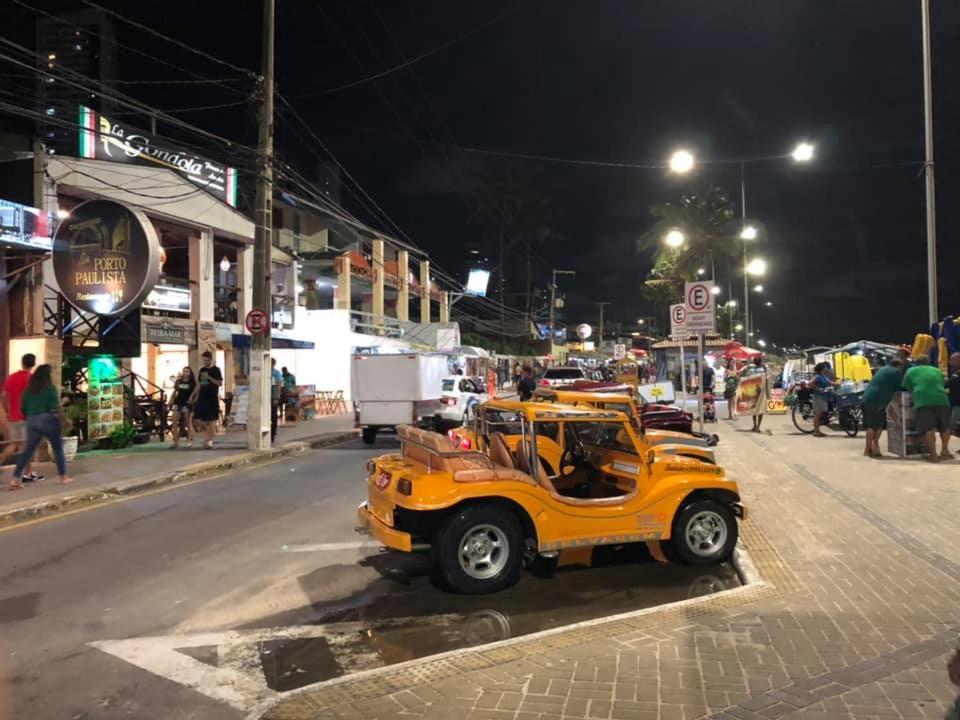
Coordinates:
column 698, row 298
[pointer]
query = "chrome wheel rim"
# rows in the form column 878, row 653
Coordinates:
column 706, row 533
column 483, row 552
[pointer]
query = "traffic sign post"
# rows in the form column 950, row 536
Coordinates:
column 619, row 351
column 701, row 318
column 698, row 298
column 678, row 322
column 257, row 322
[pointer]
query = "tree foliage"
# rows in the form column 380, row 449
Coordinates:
column 711, row 230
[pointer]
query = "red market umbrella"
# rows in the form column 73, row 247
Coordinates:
column 739, row 352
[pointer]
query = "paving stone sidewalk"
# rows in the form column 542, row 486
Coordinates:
column 855, row 617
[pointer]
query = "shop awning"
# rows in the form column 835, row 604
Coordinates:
column 277, row 343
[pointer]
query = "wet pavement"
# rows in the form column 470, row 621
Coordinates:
column 403, row 617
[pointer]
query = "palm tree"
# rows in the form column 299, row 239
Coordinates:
column 708, row 222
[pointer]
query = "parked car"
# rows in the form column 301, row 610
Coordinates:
column 561, row 376
column 484, row 513
column 459, row 399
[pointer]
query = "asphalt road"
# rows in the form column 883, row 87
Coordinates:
column 200, row 601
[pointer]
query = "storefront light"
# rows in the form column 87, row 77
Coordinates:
column 225, row 264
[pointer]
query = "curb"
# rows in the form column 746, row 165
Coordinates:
column 743, row 565
column 101, row 493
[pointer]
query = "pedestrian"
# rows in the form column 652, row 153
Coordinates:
column 276, row 395
column 953, row 390
column 731, row 380
column 289, row 399
column 931, row 406
column 886, row 381
column 40, row 405
column 13, row 388
column 757, row 411
column 822, row 393
column 953, row 672
column 527, row 384
column 517, row 373
column 206, row 398
column 180, row 406
column 708, row 379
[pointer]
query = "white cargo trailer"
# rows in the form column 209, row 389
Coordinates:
column 391, row 390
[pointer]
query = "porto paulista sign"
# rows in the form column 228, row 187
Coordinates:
column 106, row 257
column 104, row 139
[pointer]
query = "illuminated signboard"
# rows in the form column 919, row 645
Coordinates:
column 25, row 226
column 168, row 299
column 106, row 257
column 104, row 139
column 477, row 282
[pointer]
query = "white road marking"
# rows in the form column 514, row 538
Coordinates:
column 238, row 678
column 327, row 547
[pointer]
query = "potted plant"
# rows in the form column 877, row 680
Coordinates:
column 123, row 436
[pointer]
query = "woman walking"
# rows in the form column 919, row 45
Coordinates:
column 180, row 406
column 40, row 404
column 206, row 398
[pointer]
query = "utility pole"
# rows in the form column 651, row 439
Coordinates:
column 602, row 305
column 746, row 276
column 553, row 299
column 932, row 299
column 258, row 419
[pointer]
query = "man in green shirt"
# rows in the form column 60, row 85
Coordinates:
column 886, row 381
column 931, row 406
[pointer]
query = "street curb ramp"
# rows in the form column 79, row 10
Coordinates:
column 33, row 509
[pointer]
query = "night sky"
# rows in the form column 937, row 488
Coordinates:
column 619, row 81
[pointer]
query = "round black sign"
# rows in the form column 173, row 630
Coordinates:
column 106, row 257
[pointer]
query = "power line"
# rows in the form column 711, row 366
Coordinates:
column 203, row 81
column 156, row 33
column 114, row 96
column 87, row 31
column 407, row 63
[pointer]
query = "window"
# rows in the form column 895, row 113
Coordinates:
column 563, row 374
column 448, row 385
column 468, row 386
column 502, row 421
column 606, row 435
column 549, row 430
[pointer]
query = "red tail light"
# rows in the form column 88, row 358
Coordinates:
column 448, row 401
column 465, row 443
column 383, row 481
column 545, row 383
column 454, row 438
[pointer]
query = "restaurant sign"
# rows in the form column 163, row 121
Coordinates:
column 104, row 139
column 166, row 332
column 106, row 257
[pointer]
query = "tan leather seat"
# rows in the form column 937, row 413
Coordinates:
column 500, row 451
column 544, row 480
column 426, row 447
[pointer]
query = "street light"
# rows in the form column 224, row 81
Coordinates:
column 748, row 233
column 738, row 327
column 641, row 321
column 769, row 304
column 681, row 162
column 731, row 303
column 715, row 290
column 757, row 267
column 701, row 271
column 758, row 288
column 802, row 153
column 675, row 239
column 762, row 343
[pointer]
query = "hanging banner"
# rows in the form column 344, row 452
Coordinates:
column 104, row 139
column 106, row 257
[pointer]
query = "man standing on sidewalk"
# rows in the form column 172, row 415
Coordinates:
column 276, row 392
column 953, row 390
column 876, row 397
column 931, row 406
column 13, row 389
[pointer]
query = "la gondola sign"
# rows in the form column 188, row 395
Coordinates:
column 106, row 257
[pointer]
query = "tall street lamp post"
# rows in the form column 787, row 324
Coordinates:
column 553, row 299
column 928, row 166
